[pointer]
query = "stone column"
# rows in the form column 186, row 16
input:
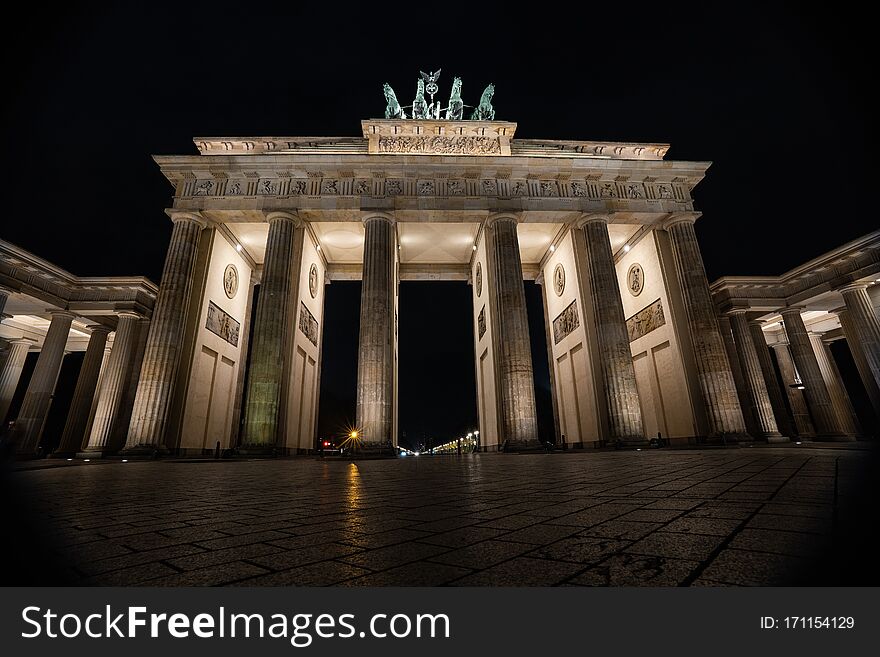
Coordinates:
column 745, row 403
column 271, row 328
column 847, row 422
column 113, row 386
column 753, row 378
column 872, row 387
column 81, row 404
column 723, row 410
column 29, row 424
column 375, row 382
column 11, row 373
column 621, row 393
column 146, row 434
column 802, row 421
column 518, row 426
column 777, row 401
column 4, row 295
column 818, row 399
column 865, row 325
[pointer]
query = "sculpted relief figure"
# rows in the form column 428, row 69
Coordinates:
column 485, row 111
column 392, row 107
column 455, row 110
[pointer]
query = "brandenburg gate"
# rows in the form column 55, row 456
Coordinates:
column 606, row 228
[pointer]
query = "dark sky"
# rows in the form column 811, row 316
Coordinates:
column 776, row 98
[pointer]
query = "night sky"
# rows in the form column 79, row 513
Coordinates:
column 776, row 99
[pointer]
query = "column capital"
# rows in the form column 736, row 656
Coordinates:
column 593, row 217
column 27, row 341
column 851, row 287
column 129, row 313
column 183, row 215
column 503, row 216
column 791, row 310
column 733, row 312
column 383, row 216
column 837, row 311
column 678, row 218
column 62, row 313
column 283, row 215
column 778, row 343
column 98, row 329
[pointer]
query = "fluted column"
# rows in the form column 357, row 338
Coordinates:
column 753, row 377
column 777, row 402
column 742, row 393
column 271, row 327
column 11, row 373
column 81, row 404
column 4, row 295
column 375, row 382
column 113, row 386
column 619, row 376
column 519, row 425
column 29, row 424
column 723, row 410
column 872, row 387
column 146, row 433
column 800, row 413
column 865, row 325
column 818, row 399
column 846, row 421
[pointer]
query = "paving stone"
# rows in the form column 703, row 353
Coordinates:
column 790, row 523
column 395, row 555
column 464, row 536
column 213, row 576
column 782, row 542
column 626, row 569
column 540, row 534
column 322, row 573
column 757, row 568
column 676, row 546
column 622, row 529
column 421, row 573
column 709, row 526
column 301, row 556
column 522, row 571
column 580, row 549
column 214, row 557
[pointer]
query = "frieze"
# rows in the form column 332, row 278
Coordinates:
column 645, row 321
column 440, row 187
column 223, row 324
column 308, row 324
column 565, row 323
column 440, row 145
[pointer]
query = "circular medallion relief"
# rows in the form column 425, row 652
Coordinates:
column 479, row 277
column 635, row 279
column 230, row 280
column 559, row 280
column 313, row 281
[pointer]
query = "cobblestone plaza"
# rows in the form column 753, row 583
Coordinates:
column 763, row 515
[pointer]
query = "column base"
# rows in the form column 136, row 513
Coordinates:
column 145, row 451
column 835, row 438
column 264, row 451
column 95, row 453
column 521, row 446
column 633, row 442
column 67, row 454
